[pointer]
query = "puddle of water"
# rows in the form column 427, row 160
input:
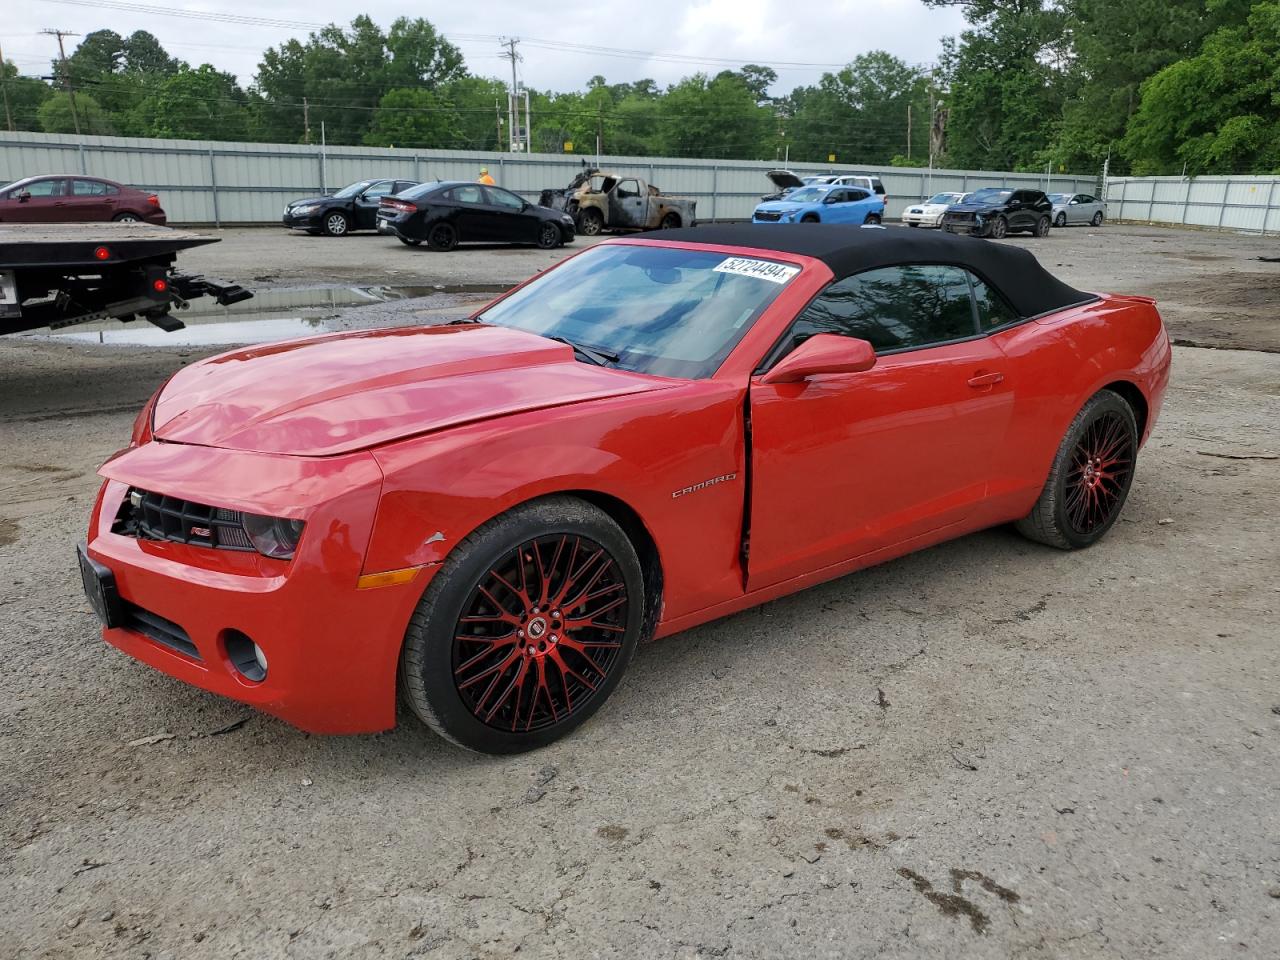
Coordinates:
column 274, row 315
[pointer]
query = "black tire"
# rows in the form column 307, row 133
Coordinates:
column 809, row 218
column 999, row 228
column 1042, row 227
column 913, row 225
column 407, row 241
column 433, row 657
column 873, row 219
column 670, row 221
column 549, row 236
column 591, row 223
column 1097, row 219
column 127, row 217
column 1060, row 220
column 1064, row 516
column 337, row 223
column 442, row 236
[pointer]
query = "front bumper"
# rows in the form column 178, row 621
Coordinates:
column 307, row 222
column 332, row 649
column 922, row 219
column 977, row 228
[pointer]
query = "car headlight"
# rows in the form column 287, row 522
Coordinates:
column 309, row 208
column 273, row 536
column 565, row 218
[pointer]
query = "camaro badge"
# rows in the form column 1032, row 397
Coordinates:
column 704, row 484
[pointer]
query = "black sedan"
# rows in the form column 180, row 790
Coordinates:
column 444, row 213
column 354, row 207
column 997, row 211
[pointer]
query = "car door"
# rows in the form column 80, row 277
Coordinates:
column 835, row 207
column 365, row 206
column 847, row 464
column 1082, row 208
column 627, row 204
column 88, row 201
column 513, row 219
column 38, row 201
column 469, row 213
column 1019, row 211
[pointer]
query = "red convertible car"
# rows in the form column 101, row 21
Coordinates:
column 488, row 516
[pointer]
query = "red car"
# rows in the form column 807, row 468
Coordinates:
column 76, row 199
column 490, row 515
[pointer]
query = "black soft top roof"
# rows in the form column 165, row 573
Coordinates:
column 1015, row 272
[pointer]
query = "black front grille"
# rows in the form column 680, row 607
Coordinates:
column 958, row 217
column 770, row 215
column 162, row 631
column 154, row 516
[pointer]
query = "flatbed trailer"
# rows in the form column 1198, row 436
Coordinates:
column 59, row 274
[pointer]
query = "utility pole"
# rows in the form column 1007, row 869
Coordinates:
column 66, row 73
column 4, row 88
column 497, row 119
column 513, row 96
column 908, row 131
column 528, row 124
column 306, row 121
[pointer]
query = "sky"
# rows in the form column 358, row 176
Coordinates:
column 687, row 35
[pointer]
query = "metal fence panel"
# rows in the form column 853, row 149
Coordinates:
column 228, row 183
column 1249, row 204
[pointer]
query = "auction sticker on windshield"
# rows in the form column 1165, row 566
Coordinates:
column 760, row 269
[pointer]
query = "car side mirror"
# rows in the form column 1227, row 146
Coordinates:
column 1074, row 202
column 830, row 198
column 823, row 353
column 23, row 196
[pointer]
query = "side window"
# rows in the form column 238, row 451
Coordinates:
column 383, row 188
column 993, row 310
column 894, row 308
column 112, row 189
column 1020, row 196
column 628, row 188
column 858, row 195
column 468, row 194
column 503, row 198
column 88, row 188
column 45, row 188
column 877, row 186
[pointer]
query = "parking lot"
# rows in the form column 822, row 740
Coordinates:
column 987, row 749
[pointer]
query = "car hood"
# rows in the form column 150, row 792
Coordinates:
column 931, row 207
column 299, row 203
column 975, row 207
column 346, row 392
column 782, row 206
column 784, row 179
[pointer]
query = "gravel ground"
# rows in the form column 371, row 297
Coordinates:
column 988, row 749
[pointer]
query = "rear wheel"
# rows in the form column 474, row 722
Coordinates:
column 670, row 221
column 873, row 219
column 548, row 236
column 336, row 224
column 126, row 218
column 1042, row 227
column 1090, row 477
column 1000, row 228
column 591, row 223
column 1097, row 219
column 527, row 628
column 442, row 236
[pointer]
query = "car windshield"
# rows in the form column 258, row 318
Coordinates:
column 989, row 195
column 807, row 194
column 943, row 198
column 347, row 192
column 661, row 310
column 1059, row 197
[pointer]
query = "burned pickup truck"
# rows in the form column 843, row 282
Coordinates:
column 59, row 274
column 604, row 201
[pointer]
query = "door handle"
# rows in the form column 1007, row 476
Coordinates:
column 985, row 380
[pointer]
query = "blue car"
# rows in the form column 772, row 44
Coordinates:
column 823, row 203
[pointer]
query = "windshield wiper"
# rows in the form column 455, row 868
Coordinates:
column 591, row 354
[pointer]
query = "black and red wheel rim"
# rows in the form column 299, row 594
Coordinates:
column 1098, row 477
column 540, row 633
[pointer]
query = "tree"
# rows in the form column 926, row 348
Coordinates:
column 56, row 117
column 1215, row 111
column 413, row 118
column 715, row 118
column 25, row 95
column 195, row 104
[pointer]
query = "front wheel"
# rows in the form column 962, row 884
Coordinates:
column 549, row 236
column 913, row 224
column 1042, row 227
column 999, row 229
column 1090, row 477
column 809, row 218
column 591, row 223
column 1060, row 220
column 670, row 221
column 527, row 628
column 336, row 224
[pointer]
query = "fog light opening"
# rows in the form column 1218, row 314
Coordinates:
column 247, row 658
